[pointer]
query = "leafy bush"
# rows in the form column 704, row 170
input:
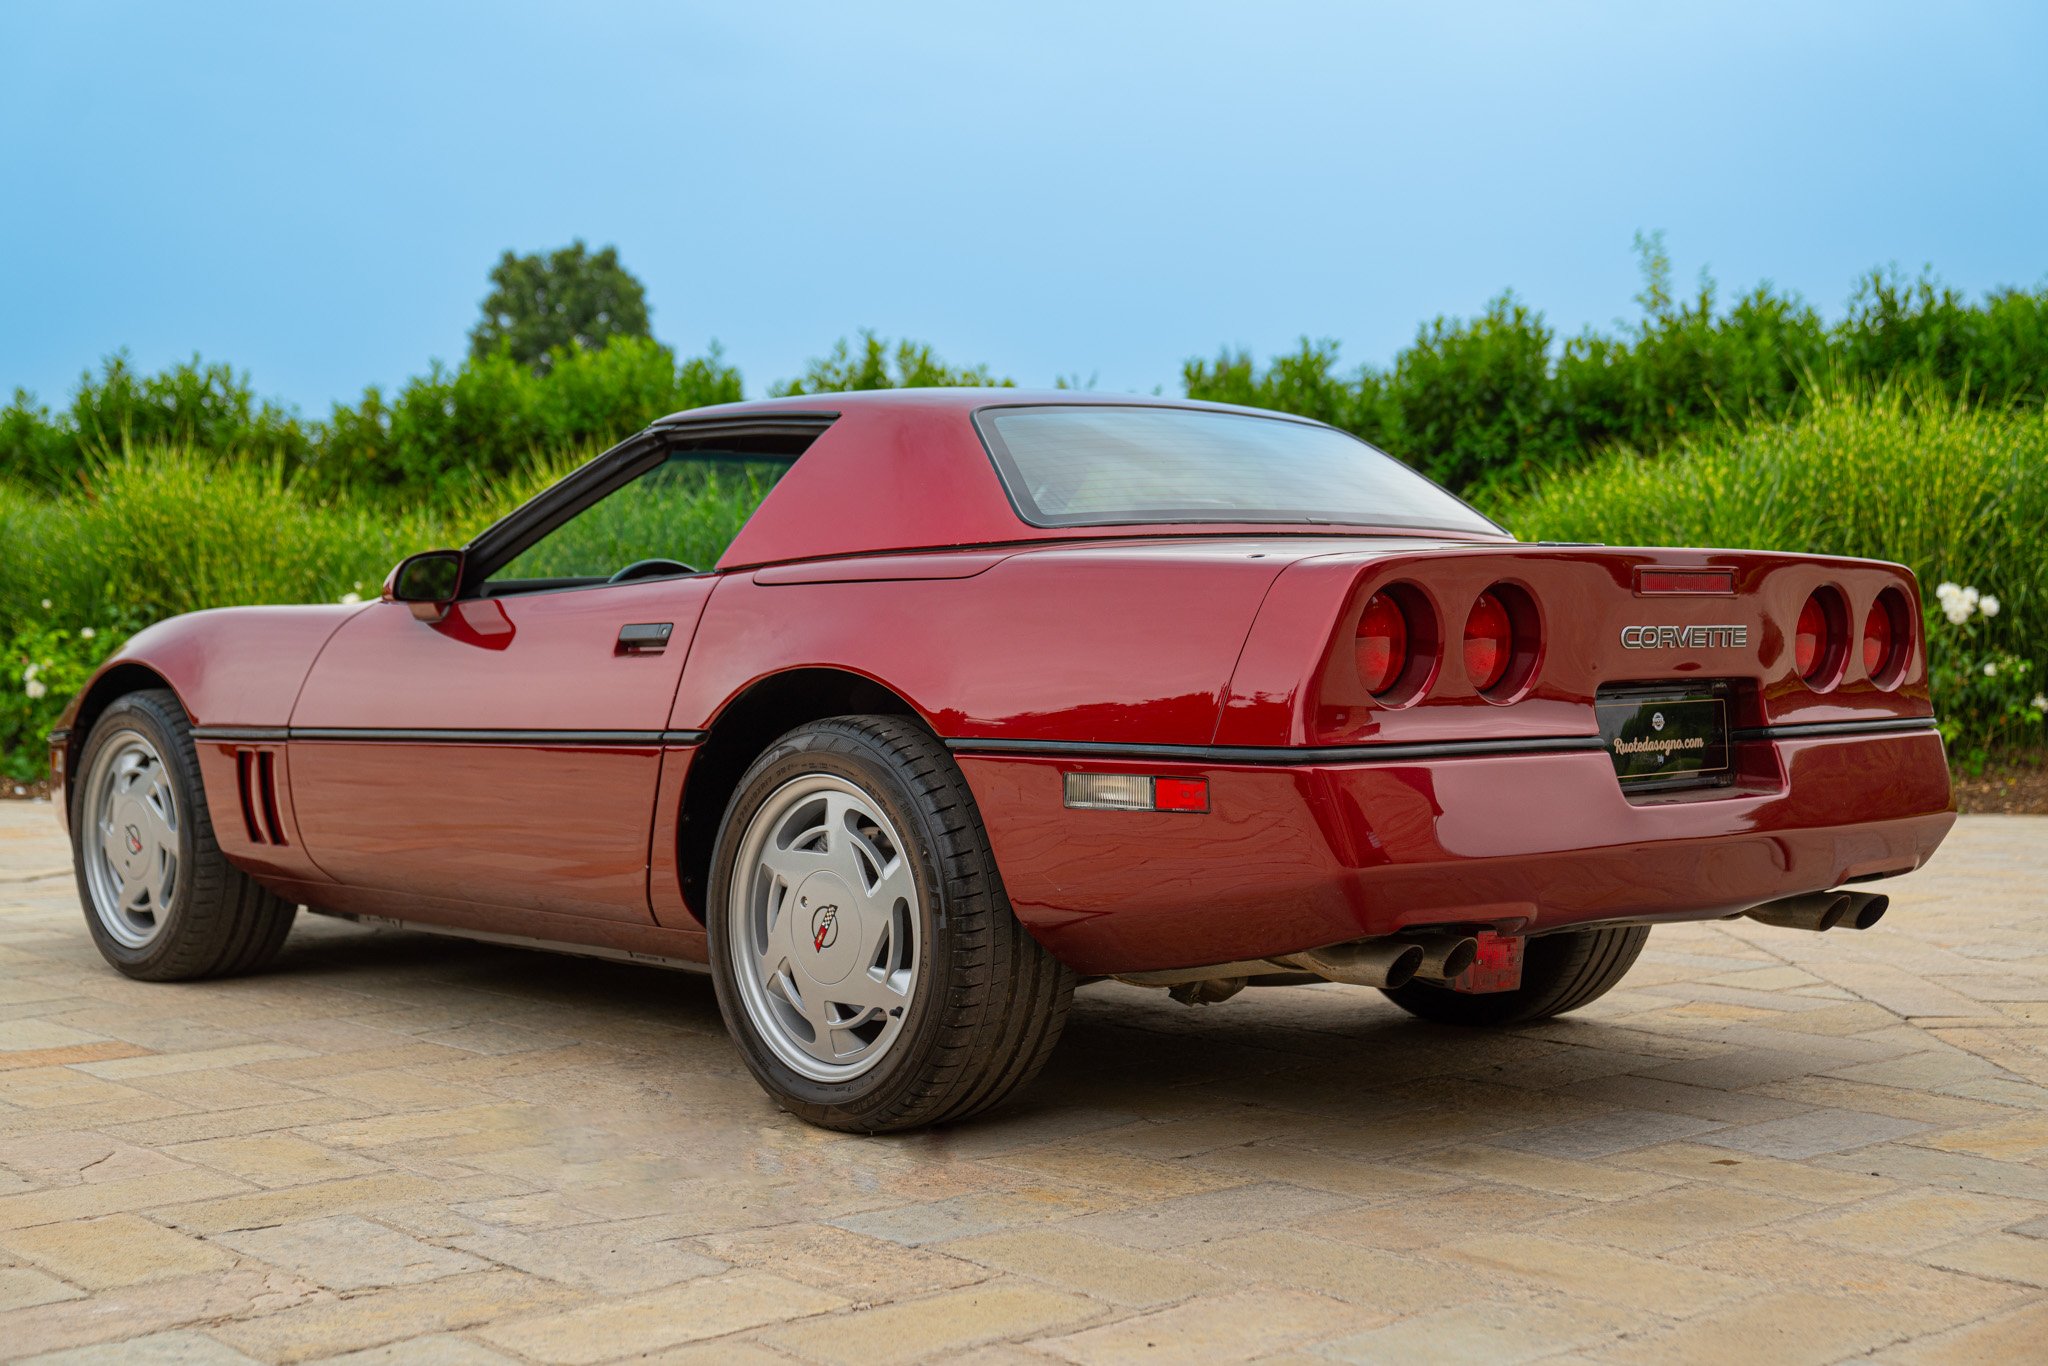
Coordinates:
column 41, row 665
column 877, row 365
column 1493, row 401
column 1958, row 494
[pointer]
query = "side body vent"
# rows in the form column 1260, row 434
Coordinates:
column 256, row 780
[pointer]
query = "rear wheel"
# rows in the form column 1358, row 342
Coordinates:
column 866, row 958
column 162, row 901
column 1560, row 972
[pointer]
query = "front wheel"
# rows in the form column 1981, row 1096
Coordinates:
column 1560, row 972
column 163, row 903
column 866, row 958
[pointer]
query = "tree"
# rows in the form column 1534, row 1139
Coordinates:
column 876, row 365
column 569, row 297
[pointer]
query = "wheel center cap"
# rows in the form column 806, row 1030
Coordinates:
column 825, row 929
column 128, row 835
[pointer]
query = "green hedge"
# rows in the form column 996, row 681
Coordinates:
column 1958, row 494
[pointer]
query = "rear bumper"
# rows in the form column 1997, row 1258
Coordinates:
column 1298, row 855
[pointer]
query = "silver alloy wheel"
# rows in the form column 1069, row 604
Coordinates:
column 824, row 927
column 131, row 862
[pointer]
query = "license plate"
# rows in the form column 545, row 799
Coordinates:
column 1655, row 737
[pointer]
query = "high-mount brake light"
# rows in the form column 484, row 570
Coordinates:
column 1382, row 646
column 1810, row 641
column 1489, row 641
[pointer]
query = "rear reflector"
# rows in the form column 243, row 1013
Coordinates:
column 1720, row 581
column 1497, row 967
column 1135, row 792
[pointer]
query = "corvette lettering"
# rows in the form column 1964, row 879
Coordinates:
column 1684, row 637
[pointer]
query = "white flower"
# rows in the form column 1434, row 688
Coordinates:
column 351, row 599
column 46, row 604
column 1988, row 605
column 36, row 689
column 1991, row 670
column 2041, row 701
column 86, row 633
column 28, row 675
column 1957, row 612
column 1945, row 591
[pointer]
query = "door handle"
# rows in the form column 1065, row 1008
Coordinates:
column 645, row 637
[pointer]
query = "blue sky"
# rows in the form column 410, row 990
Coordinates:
column 315, row 192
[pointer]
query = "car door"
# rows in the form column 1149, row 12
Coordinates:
column 509, row 752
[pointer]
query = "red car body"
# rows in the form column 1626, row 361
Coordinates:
column 511, row 770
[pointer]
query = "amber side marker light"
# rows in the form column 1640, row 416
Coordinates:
column 1135, row 792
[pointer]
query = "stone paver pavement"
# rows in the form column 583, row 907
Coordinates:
column 1764, row 1146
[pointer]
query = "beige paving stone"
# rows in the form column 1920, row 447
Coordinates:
column 1930, row 1296
column 1555, row 1266
column 442, row 1349
column 346, row 1196
column 637, row 1324
column 1908, row 1222
column 24, row 1287
column 328, row 1327
column 117, row 1250
column 865, row 1270
column 1666, row 1219
column 1119, row 1275
column 165, row 1064
column 91, row 1199
column 617, row 1257
column 272, row 1160
column 179, row 1347
column 1324, row 1171
column 2011, row 1337
column 383, row 1130
column 1391, row 1282
column 1774, row 1176
column 134, row 1311
column 255, row 1119
column 1438, row 1219
column 1215, row 1328
column 1997, row 1256
column 1119, row 1171
column 1790, row 1327
column 1556, row 1175
column 1503, row 1331
column 62, row 1157
column 934, row 1326
column 344, row 1252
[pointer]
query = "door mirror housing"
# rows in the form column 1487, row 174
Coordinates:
column 428, row 582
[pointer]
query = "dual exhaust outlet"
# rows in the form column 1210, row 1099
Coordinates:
column 1823, row 911
column 1391, row 962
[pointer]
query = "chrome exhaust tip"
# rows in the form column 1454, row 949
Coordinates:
column 1444, row 956
column 1822, row 911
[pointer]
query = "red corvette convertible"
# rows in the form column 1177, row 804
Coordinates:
column 993, row 693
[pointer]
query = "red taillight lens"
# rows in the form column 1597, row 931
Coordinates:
column 1489, row 642
column 1810, row 641
column 1877, row 640
column 1382, row 646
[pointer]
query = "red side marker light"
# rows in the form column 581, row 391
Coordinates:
column 1135, row 792
column 1180, row 794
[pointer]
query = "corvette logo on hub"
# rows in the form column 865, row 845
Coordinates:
column 824, row 928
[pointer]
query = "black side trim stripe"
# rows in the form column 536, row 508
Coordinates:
column 1306, row 754
column 375, row 735
column 1814, row 728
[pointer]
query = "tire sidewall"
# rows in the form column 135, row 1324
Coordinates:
column 134, row 713
column 848, row 755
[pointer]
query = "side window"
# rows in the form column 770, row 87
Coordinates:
column 685, row 510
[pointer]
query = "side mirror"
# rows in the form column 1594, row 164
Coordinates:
column 428, row 581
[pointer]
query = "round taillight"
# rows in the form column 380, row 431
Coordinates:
column 1877, row 640
column 1489, row 642
column 1382, row 646
column 1810, row 641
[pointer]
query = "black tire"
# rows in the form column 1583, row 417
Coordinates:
column 988, row 1002
column 220, row 921
column 1560, row 972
